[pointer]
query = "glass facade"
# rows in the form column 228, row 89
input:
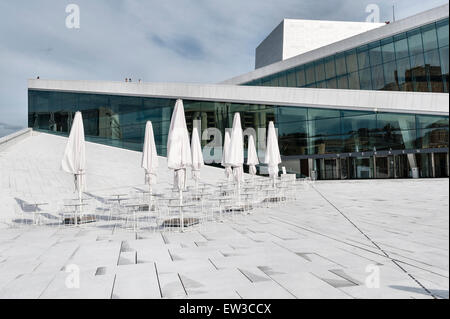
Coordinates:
column 417, row 60
column 336, row 140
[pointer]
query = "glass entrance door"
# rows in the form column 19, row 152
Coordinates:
column 385, row 167
column 425, row 165
column 382, row 170
column 345, row 168
column 362, row 167
column 440, row 165
column 304, row 168
column 331, row 171
column 402, row 168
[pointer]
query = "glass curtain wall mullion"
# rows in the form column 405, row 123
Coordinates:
column 440, row 57
column 382, row 67
column 347, row 73
column 417, row 62
column 291, row 78
column 300, row 76
column 357, row 71
column 423, row 32
column 442, row 29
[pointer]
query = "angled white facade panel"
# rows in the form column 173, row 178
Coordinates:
column 293, row 37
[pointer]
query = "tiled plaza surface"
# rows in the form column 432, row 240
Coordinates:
column 332, row 243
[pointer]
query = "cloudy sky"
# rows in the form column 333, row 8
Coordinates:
column 154, row 40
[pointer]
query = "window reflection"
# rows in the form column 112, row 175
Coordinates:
column 120, row 121
column 416, row 60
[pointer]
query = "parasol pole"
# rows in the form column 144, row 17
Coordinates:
column 181, row 210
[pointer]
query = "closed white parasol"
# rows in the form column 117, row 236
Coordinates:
column 74, row 160
column 273, row 157
column 197, row 156
column 179, row 156
column 235, row 158
column 225, row 152
column 252, row 156
column 149, row 158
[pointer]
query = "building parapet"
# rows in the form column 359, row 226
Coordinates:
column 13, row 138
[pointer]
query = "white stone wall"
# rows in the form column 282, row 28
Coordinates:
column 301, row 36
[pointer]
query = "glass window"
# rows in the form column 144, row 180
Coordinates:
column 377, row 77
column 265, row 81
column 362, row 124
column 282, row 78
column 317, row 114
column 293, row 129
column 330, row 68
column 443, row 52
column 433, row 64
column 442, row 32
column 320, row 71
column 332, row 84
column 351, row 61
column 390, row 76
column 257, row 82
column 340, row 64
column 418, row 74
column 293, row 146
column 387, row 49
column 363, row 57
column 42, row 101
column 396, row 122
column 429, row 37
column 431, row 121
column 432, row 58
column 288, row 114
column 300, row 74
column 375, row 53
column 387, row 139
column 326, row 145
column 310, row 77
column 353, row 81
column 427, row 69
column 120, row 121
column 70, row 99
column 403, row 73
column 111, row 120
column 365, row 78
column 415, row 42
column 342, row 82
column 325, row 127
column 417, row 61
column 291, row 79
column 321, row 85
column 432, row 138
column 349, row 113
column 274, row 81
column 401, row 46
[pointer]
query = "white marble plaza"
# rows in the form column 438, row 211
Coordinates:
column 331, row 243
